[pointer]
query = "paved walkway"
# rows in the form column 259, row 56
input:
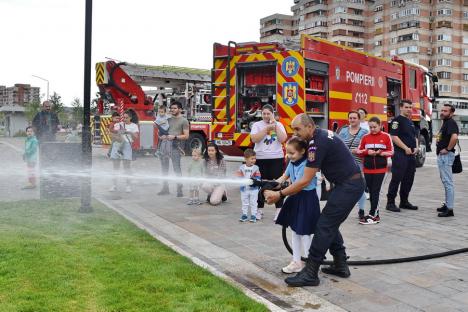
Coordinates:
column 252, row 254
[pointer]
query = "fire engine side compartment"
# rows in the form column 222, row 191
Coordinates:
column 356, row 80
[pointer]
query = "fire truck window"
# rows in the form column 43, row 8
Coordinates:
column 412, row 78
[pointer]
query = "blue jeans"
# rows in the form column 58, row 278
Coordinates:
column 362, row 202
column 327, row 235
column 445, row 162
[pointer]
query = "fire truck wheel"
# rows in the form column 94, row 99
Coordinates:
column 196, row 140
column 421, row 156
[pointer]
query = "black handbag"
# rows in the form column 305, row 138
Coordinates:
column 457, row 164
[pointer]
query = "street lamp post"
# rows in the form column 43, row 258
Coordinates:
column 86, row 130
column 47, row 84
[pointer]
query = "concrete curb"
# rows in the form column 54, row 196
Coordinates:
column 279, row 298
column 197, row 261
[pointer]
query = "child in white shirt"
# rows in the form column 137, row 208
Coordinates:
column 249, row 194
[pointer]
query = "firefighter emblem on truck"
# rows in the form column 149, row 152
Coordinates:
column 290, row 93
column 290, row 66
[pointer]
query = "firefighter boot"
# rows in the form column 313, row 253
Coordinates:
column 339, row 267
column 307, row 277
column 405, row 204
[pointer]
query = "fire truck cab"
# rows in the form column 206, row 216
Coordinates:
column 317, row 77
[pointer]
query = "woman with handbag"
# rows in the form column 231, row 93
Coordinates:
column 352, row 135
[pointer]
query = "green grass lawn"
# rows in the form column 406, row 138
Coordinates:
column 53, row 258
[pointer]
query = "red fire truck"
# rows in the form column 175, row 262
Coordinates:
column 317, row 77
column 120, row 88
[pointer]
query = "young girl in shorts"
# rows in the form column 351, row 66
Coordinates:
column 302, row 210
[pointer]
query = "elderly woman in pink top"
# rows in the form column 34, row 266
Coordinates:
column 268, row 136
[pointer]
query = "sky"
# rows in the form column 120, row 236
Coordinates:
column 46, row 37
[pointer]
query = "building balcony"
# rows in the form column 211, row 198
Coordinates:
column 273, row 38
column 277, row 26
column 316, row 29
column 315, row 8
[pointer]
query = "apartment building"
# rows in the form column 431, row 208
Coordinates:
column 19, row 94
column 278, row 27
column 343, row 22
column 432, row 33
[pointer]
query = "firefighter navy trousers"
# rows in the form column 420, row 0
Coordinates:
column 403, row 171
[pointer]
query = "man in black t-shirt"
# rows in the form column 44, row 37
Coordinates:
column 405, row 140
column 327, row 153
column 45, row 123
column 446, row 139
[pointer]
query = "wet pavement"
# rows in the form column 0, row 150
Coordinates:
column 253, row 254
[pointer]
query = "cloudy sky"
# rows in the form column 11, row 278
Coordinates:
column 46, row 37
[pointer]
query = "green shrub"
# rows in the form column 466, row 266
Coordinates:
column 20, row 133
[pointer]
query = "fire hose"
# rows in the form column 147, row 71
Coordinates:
column 265, row 185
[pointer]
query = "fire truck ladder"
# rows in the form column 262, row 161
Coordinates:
column 165, row 75
column 220, row 86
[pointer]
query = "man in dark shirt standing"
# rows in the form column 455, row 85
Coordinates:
column 404, row 136
column 446, row 140
column 45, row 124
column 327, row 153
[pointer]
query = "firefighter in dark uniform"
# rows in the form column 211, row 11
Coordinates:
column 327, row 153
column 405, row 140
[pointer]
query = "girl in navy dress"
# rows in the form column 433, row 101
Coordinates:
column 302, row 210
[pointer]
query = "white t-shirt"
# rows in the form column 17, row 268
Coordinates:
column 133, row 128
column 269, row 147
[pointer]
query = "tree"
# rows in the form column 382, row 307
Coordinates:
column 57, row 104
column 77, row 111
column 32, row 109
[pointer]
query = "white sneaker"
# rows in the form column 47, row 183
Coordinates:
column 113, row 189
column 259, row 214
column 293, row 267
column 128, row 189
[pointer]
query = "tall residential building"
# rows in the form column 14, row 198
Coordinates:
column 432, row 33
column 19, row 94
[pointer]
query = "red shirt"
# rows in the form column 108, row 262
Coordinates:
column 380, row 141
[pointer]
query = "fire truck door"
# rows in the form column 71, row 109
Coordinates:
column 316, row 87
column 393, row 98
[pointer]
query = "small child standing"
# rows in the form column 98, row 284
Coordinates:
column 195, row 170
column 249, row 194
column 162, row 123
column 114, row 131
column 30, row 157
column 300, row 211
